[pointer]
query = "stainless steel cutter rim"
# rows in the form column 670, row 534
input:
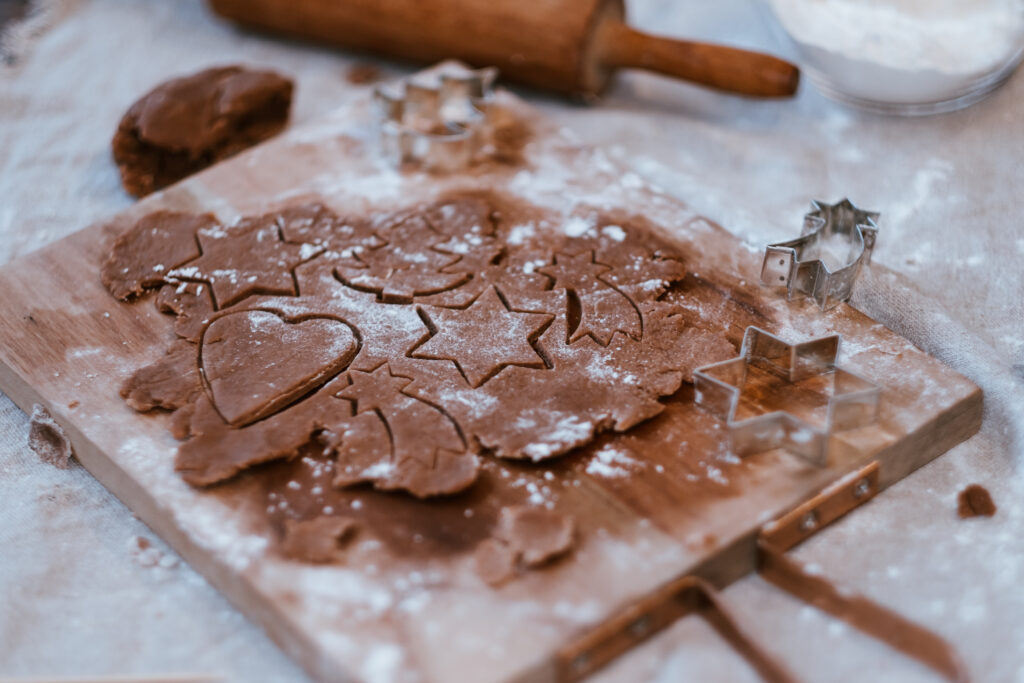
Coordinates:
column 853, row 402
column 435, row 126
column 784, row 263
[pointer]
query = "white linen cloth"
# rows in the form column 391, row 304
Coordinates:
column 79, row 596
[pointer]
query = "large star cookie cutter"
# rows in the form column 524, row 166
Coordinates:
column 435, row 125
column 722, row 389
column 840, row 231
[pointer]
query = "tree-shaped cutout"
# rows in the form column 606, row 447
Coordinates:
column 484, row 337
column 594, row 306
column 398, row 441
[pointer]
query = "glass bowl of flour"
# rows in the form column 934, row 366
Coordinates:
column 909, row 57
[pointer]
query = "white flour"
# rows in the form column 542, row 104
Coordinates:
column 904, row 51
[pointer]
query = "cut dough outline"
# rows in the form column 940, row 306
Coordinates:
column 239, row 231
column 572, row 295
column 307, row 391
column 467, row 232
column 532, row 339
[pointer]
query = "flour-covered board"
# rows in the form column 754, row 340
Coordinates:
column 433, row 427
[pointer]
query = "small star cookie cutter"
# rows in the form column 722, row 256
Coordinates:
column 435, row 125
column 797, row 264
column 852, row 403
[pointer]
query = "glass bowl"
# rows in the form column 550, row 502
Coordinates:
column 907, row 57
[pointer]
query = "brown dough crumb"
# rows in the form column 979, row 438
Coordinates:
column 148, row 555
column 975, row 501
column 188, row 123
column 73, row 404
column 362, row 74
column 495, row 562
column 48, row 440
column 316, row 540
column 535, row 534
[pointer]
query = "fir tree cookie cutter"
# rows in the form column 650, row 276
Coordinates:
column 735, row 388
column 797, row 264
column 437, row 125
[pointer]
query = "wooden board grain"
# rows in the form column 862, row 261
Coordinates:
column 406, row 603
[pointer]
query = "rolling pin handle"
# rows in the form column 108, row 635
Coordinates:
column 723, row 68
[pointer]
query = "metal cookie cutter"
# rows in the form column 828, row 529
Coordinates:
column 435, row 126
column 721, row 388
column 839, row 230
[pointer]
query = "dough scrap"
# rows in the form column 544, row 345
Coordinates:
column 47, row 439
column 495, row 561
column 192, row 305
column 536, row 535
column 170, row 383
column 316, row 540
column 159, row 241
column 439, row 333
column 525, row 538
column 188, row 123
column 975, row 501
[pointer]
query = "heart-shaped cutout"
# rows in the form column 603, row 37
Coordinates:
column 255, row 362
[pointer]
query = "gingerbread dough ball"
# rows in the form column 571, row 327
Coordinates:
column 186, row 124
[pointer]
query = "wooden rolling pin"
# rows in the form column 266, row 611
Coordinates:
column 571, row 46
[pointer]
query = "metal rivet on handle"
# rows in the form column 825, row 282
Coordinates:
column 809, row 522
column 640, row 627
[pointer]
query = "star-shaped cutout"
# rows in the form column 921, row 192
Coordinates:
column 249, row 258
column 769, row 371
column 483, row 338
column 576, row 272
column 373, row 390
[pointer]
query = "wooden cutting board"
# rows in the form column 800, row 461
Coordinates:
column 406, row 603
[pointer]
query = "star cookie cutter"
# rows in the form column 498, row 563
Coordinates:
column 436, row 126
column 852, row 403
column 797, row 264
